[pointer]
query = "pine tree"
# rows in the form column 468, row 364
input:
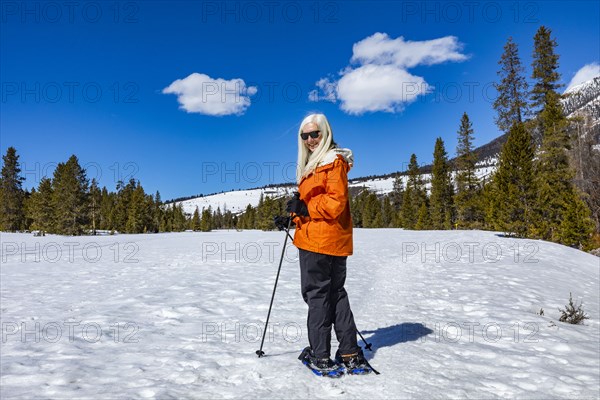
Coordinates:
column 178, row 219
column 466, row 200
column 228, row 220
column 377, row 221
column 151, row 226
column 423, row 221
column 165, row 221
column 107, row 206
column 396, row 197
column 70, row 198
column 558, row 200
column 265, row 212
column 576, row 225
column 95, row 198
column 247, row 218
column 195, row 223
column 546, row 77
column 545, row 68
column 357, row 208
column 489, row 204
column 442, row 191
column 397, row 192
column 414, row 195
column 206, row 223
column 12, row 215
column 158, row 213
column 511, row 103
column 408, row 213
column 371, row 215
column 218, row 219
column 122, row 201
column 514, row 190
column 138, row 213
column 27, row 212
column 41, row 210
column 367, row 211
column 388, row 215
column 556, row 190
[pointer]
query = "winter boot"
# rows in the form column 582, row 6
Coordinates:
column 320, row 366
column 355, row 363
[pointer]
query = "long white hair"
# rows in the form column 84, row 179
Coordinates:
column 307, row 161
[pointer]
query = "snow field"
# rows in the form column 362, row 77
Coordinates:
column 180, row 315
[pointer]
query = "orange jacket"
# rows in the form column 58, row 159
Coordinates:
column 328, row 230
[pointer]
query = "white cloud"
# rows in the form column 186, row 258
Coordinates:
column 378, row 80
column 371, row 88
column 199, row 93
column 327, row 88
column 585, row 73
column 380, row 49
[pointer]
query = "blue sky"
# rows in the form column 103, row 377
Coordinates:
column 197, row 97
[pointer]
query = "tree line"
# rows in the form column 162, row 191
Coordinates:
column 69, row 204
column 545, row 185
column 533, row 193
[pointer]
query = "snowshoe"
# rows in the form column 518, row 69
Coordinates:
column 321, row 366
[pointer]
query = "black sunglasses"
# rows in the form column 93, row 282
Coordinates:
column 313, row 134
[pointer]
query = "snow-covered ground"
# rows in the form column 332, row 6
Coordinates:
column 450, row 315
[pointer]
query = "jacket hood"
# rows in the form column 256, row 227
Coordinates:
column 332, row 155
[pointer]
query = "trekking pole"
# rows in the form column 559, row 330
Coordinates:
column 367, row 345
column 259, row 352
column 290, row 236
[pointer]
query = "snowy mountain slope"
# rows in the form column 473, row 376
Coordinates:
column 382, row 186
column 235, row 201
column 581, row 99
column 450, row 314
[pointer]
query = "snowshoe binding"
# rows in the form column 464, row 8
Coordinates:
column 355, row 363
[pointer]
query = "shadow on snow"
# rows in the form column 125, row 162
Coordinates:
column 395, row 334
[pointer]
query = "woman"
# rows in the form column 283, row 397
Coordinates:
column 321, row 212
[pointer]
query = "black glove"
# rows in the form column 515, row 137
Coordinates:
column 297, row 206
column 281, row 222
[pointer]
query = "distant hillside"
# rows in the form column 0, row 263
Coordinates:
column 581, row 100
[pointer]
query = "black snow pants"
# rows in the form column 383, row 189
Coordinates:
column 322, row 278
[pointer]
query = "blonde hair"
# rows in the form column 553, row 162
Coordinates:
column 307, row 161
